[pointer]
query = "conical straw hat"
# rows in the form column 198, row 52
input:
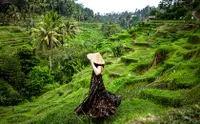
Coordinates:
column 96, row 58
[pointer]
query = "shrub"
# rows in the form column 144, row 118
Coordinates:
column 194, row 39
column 68, row 62
column 187, row 115
column 192, row 96
column 27, row 59
column 140, row 24
column 117, row 49
column 10, row 70
column 188, row 16
column 109, row 29
column 8, row 96
column 198, row 9
column 70, row 66
column 38, row 78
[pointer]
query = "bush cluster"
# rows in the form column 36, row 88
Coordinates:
column 37, row 79
column 193, row 96
column 117, row 49
column 194, row 39
column 187, row 115
column 8, row 95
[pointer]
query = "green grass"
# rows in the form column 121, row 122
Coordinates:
column 116, row 70
column 177, row 76
column 193, row 95
column 89, row 33
column 18, row 118
column 187, row 114
column 194, row 39
column 133, row 109
column 128, row 60
column 13, row 36
column 142, row 38
column 132, row 76
column 128, row 109
column 9, row 28
column 163, row 97
column 140, row 55
column 42, row 106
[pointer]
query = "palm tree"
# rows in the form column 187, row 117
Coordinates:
column 51, row 33
column 68, row 31
column 47, row 34
column 13, row 14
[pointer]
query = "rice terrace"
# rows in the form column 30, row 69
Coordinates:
column 148, row 71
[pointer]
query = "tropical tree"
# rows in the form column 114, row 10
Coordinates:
column 128, row 20
column 51, row 33
column 109, row 29
column 46, row 35
column 68, row 31
column 13, row 14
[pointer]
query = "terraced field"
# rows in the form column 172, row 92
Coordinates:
column 13, row 36
column 153, row 81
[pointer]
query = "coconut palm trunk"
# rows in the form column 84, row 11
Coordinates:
column 50, row 62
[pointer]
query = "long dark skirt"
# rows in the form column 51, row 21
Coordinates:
column 99, row 103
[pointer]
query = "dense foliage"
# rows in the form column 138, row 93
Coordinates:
column 176, row 10
column 154, row 65
column 109, row 29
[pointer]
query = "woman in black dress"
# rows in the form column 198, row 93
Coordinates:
column 99, row 103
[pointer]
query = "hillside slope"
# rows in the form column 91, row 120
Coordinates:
column 156, row 81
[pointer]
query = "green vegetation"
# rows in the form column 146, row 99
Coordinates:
column 44, row 72
column 194, row 39
column 164, row 97
column 109, row 29
column 188, row 114
column 152, row 80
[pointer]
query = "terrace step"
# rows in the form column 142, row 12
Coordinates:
column 164, row 97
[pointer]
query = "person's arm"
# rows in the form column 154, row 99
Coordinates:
column 97, row 70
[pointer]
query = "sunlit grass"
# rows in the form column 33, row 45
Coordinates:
column 132, row 76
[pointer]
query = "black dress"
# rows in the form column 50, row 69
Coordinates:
column 99, row 103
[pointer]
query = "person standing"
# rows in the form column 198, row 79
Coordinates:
column 99, row 103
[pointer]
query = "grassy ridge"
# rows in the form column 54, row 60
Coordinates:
column 13, row 36
column 152, row 81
